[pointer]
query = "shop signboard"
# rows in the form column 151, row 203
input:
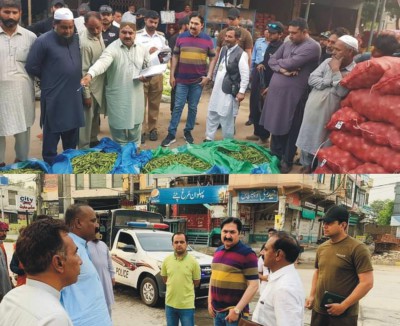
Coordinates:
column 258, row 196
column 25, row 202
column 278, row 222
column 189, row 195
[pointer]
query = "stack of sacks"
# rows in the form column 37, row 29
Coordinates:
column 366, row 129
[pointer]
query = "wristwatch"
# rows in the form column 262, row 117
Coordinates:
column 237, row 311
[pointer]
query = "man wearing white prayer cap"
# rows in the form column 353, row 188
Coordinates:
column 324, row 99
column 350, row 41
column 55, row 58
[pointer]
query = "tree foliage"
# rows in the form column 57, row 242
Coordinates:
column 383, row 210
column 392, row 8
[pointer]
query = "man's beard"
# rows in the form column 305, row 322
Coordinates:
column 9, row 23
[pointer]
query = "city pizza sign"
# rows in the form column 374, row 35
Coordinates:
column 26, row 203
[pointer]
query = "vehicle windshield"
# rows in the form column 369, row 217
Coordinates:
column 160, row 243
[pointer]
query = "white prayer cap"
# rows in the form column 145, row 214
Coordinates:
column 350, row 41
column 63, row 14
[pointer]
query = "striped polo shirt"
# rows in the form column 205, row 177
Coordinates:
column 231, row 269
column 193, row 52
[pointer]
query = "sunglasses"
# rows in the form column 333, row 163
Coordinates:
column 274, row 26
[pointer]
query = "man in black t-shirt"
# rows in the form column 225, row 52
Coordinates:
column 110, row 32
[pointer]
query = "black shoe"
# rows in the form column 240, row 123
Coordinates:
column 153, row 136
column 94, row 143
column 188, row 137
column 207, row 140
column 143, row 138
column 248, row 123
column 170, row 139
column 285, row 167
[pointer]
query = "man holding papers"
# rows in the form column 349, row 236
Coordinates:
column 157, row 46
column 121, row 61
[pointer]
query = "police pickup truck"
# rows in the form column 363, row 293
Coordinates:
column 138, row 251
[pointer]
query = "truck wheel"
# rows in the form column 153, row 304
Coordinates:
column 149, row 291
column 216, row 241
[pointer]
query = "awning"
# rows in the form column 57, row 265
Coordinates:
column 308, row 214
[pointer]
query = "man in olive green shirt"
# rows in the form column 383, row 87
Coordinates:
column 343, row 268
column 181, row 272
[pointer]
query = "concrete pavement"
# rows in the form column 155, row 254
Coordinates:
column 164, row 118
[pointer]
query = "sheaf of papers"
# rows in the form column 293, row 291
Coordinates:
column 151, row 71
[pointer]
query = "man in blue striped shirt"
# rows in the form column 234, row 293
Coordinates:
column 84, row 301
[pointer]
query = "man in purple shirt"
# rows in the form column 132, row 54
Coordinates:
column 191, row 51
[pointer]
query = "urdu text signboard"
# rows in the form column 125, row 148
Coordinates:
column 258, row 196
column 189, row 195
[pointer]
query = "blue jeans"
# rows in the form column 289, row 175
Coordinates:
column 186, row 316
column 190, row 93
column 220, row 320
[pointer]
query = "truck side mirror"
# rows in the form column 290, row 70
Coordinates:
column 126, row 247
column 130, row 248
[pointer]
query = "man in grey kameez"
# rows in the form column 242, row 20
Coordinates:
column 324, row 98
column 92, row 46
column 122, row 60
column 287, row 93
column 17, row 95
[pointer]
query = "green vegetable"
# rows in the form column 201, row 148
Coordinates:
column 22, row 171
column 174, row 159
column 94, row 162
column 246, row 153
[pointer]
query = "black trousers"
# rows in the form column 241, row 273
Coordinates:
column 318, row 319
column 254, row 96
column 284, row 146
column 256, row 105
column 50, row 141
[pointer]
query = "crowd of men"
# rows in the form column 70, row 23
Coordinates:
column 88, row 66
column 68, row 280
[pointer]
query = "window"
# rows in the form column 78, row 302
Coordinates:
column 97, row 181
column 11, row 197
column 321, row 178
column 117, row 180
column 126, row 239
column 332, row 183
column 79, row 183
column 349, row 188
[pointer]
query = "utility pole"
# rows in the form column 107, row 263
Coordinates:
column 383, row 13
column 39, row 183
column 378, row 2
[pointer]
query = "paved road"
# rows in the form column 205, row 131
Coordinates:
column 379, row 308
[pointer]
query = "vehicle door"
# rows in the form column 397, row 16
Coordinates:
column 124, row 257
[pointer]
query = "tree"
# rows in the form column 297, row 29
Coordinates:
column 392, row 8
column 383, row 210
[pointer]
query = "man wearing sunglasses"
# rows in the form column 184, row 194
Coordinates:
column 274, row 34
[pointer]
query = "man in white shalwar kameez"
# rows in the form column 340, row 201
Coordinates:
column 17, row 95
column 223, row 107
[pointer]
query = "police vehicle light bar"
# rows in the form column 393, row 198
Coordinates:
column 147, row 225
